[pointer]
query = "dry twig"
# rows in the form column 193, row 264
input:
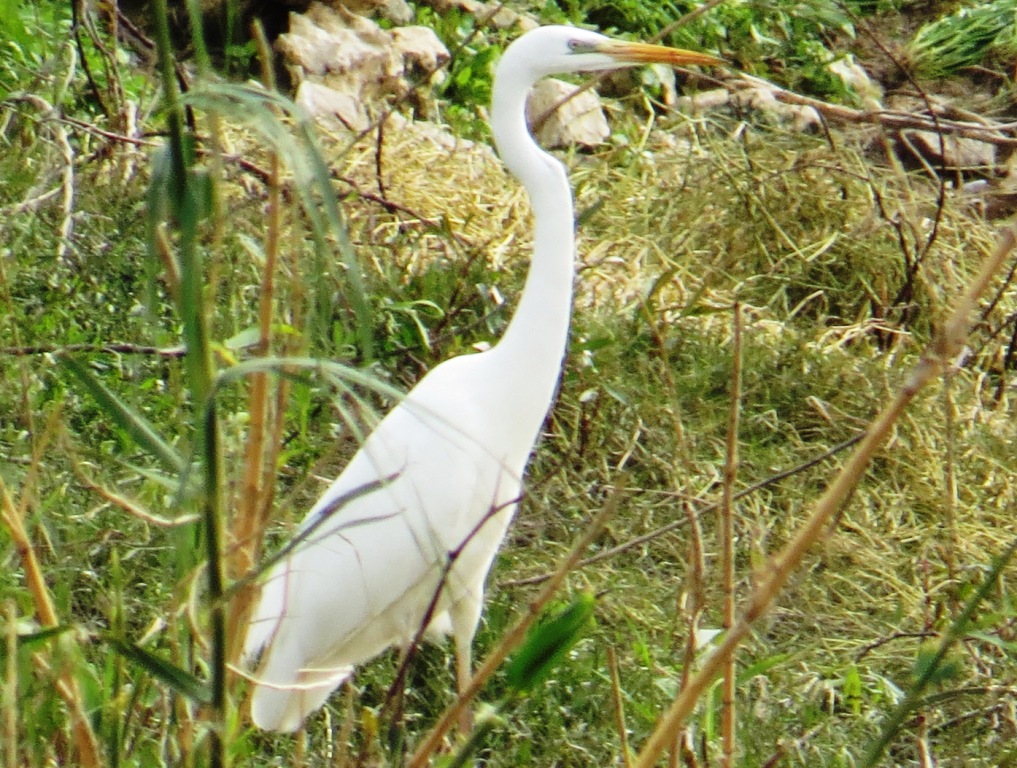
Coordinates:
column 727, row 537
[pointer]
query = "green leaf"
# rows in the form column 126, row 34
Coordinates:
column 31, row 640
column 853, row 689
column 547, row 643
column 12, row 26
column 180, row 680
column 137, row 427
column 1007, row 646
column 933, row 667
column 762, row 666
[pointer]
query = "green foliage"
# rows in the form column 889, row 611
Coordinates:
column 127, row 418
column 853, row 689
column 466, row 86
column 643, row 18
column 933, row 669
column 12, row 25
column 789, row 41
column 179, row 680
column 547, row 643
column 30, row 33
column 975, row 34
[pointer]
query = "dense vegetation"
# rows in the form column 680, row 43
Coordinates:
column 204, row 301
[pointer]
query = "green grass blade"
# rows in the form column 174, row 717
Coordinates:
column 547, row 643
column 178, row 679
column 30, row 641
column 136, row 426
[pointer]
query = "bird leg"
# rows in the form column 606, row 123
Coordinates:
column 464, row 674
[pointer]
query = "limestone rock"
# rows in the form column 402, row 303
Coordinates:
column 420, row 49
column 580, row 120
column 397, row 11
column 857, row 79
column 765, row 102
column 359, row 7
column 321, row 101
column 955, row 154
column 361, row 63
column 704, row 101
column 493, row 12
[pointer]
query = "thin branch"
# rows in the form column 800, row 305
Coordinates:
column 727, row 537
column 250, row 520
column 694, row 605
column 619, row 707
column 113, row 347
column 1000, row 134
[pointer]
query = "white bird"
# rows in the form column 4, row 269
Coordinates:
column 447, row 462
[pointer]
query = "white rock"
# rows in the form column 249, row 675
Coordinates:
column 324, row 41
column 421, row 48
column 493, row 12
column 360, row 7
column 857, row 79
column 361, row 63
column 580, row 120
column 704, row 101
column 397, row 11
column 763, row 100
column 954, row 153
column 323, row 102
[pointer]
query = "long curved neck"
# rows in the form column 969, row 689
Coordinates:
column 537, row 335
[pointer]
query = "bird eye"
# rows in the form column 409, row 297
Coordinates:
column 579, row 46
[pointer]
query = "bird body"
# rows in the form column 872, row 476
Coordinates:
column 446, row 464
column 451, row 488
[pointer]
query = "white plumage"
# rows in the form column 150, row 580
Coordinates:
column 455, row 448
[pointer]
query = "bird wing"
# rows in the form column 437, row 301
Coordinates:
column 374, row 552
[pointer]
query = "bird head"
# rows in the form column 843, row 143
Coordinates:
column 559, row 49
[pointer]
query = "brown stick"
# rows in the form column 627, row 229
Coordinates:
column 991, row 133
column 9, row 701
column 249, row 522
column 695, row 604
column 619, row 707
column 727, row 555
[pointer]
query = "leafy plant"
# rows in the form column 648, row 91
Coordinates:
column 970, row 36
column 466, row 86
column 29, row 34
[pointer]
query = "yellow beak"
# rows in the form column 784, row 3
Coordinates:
column 646, row 53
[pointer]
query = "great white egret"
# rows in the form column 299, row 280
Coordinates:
column 446, row 464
